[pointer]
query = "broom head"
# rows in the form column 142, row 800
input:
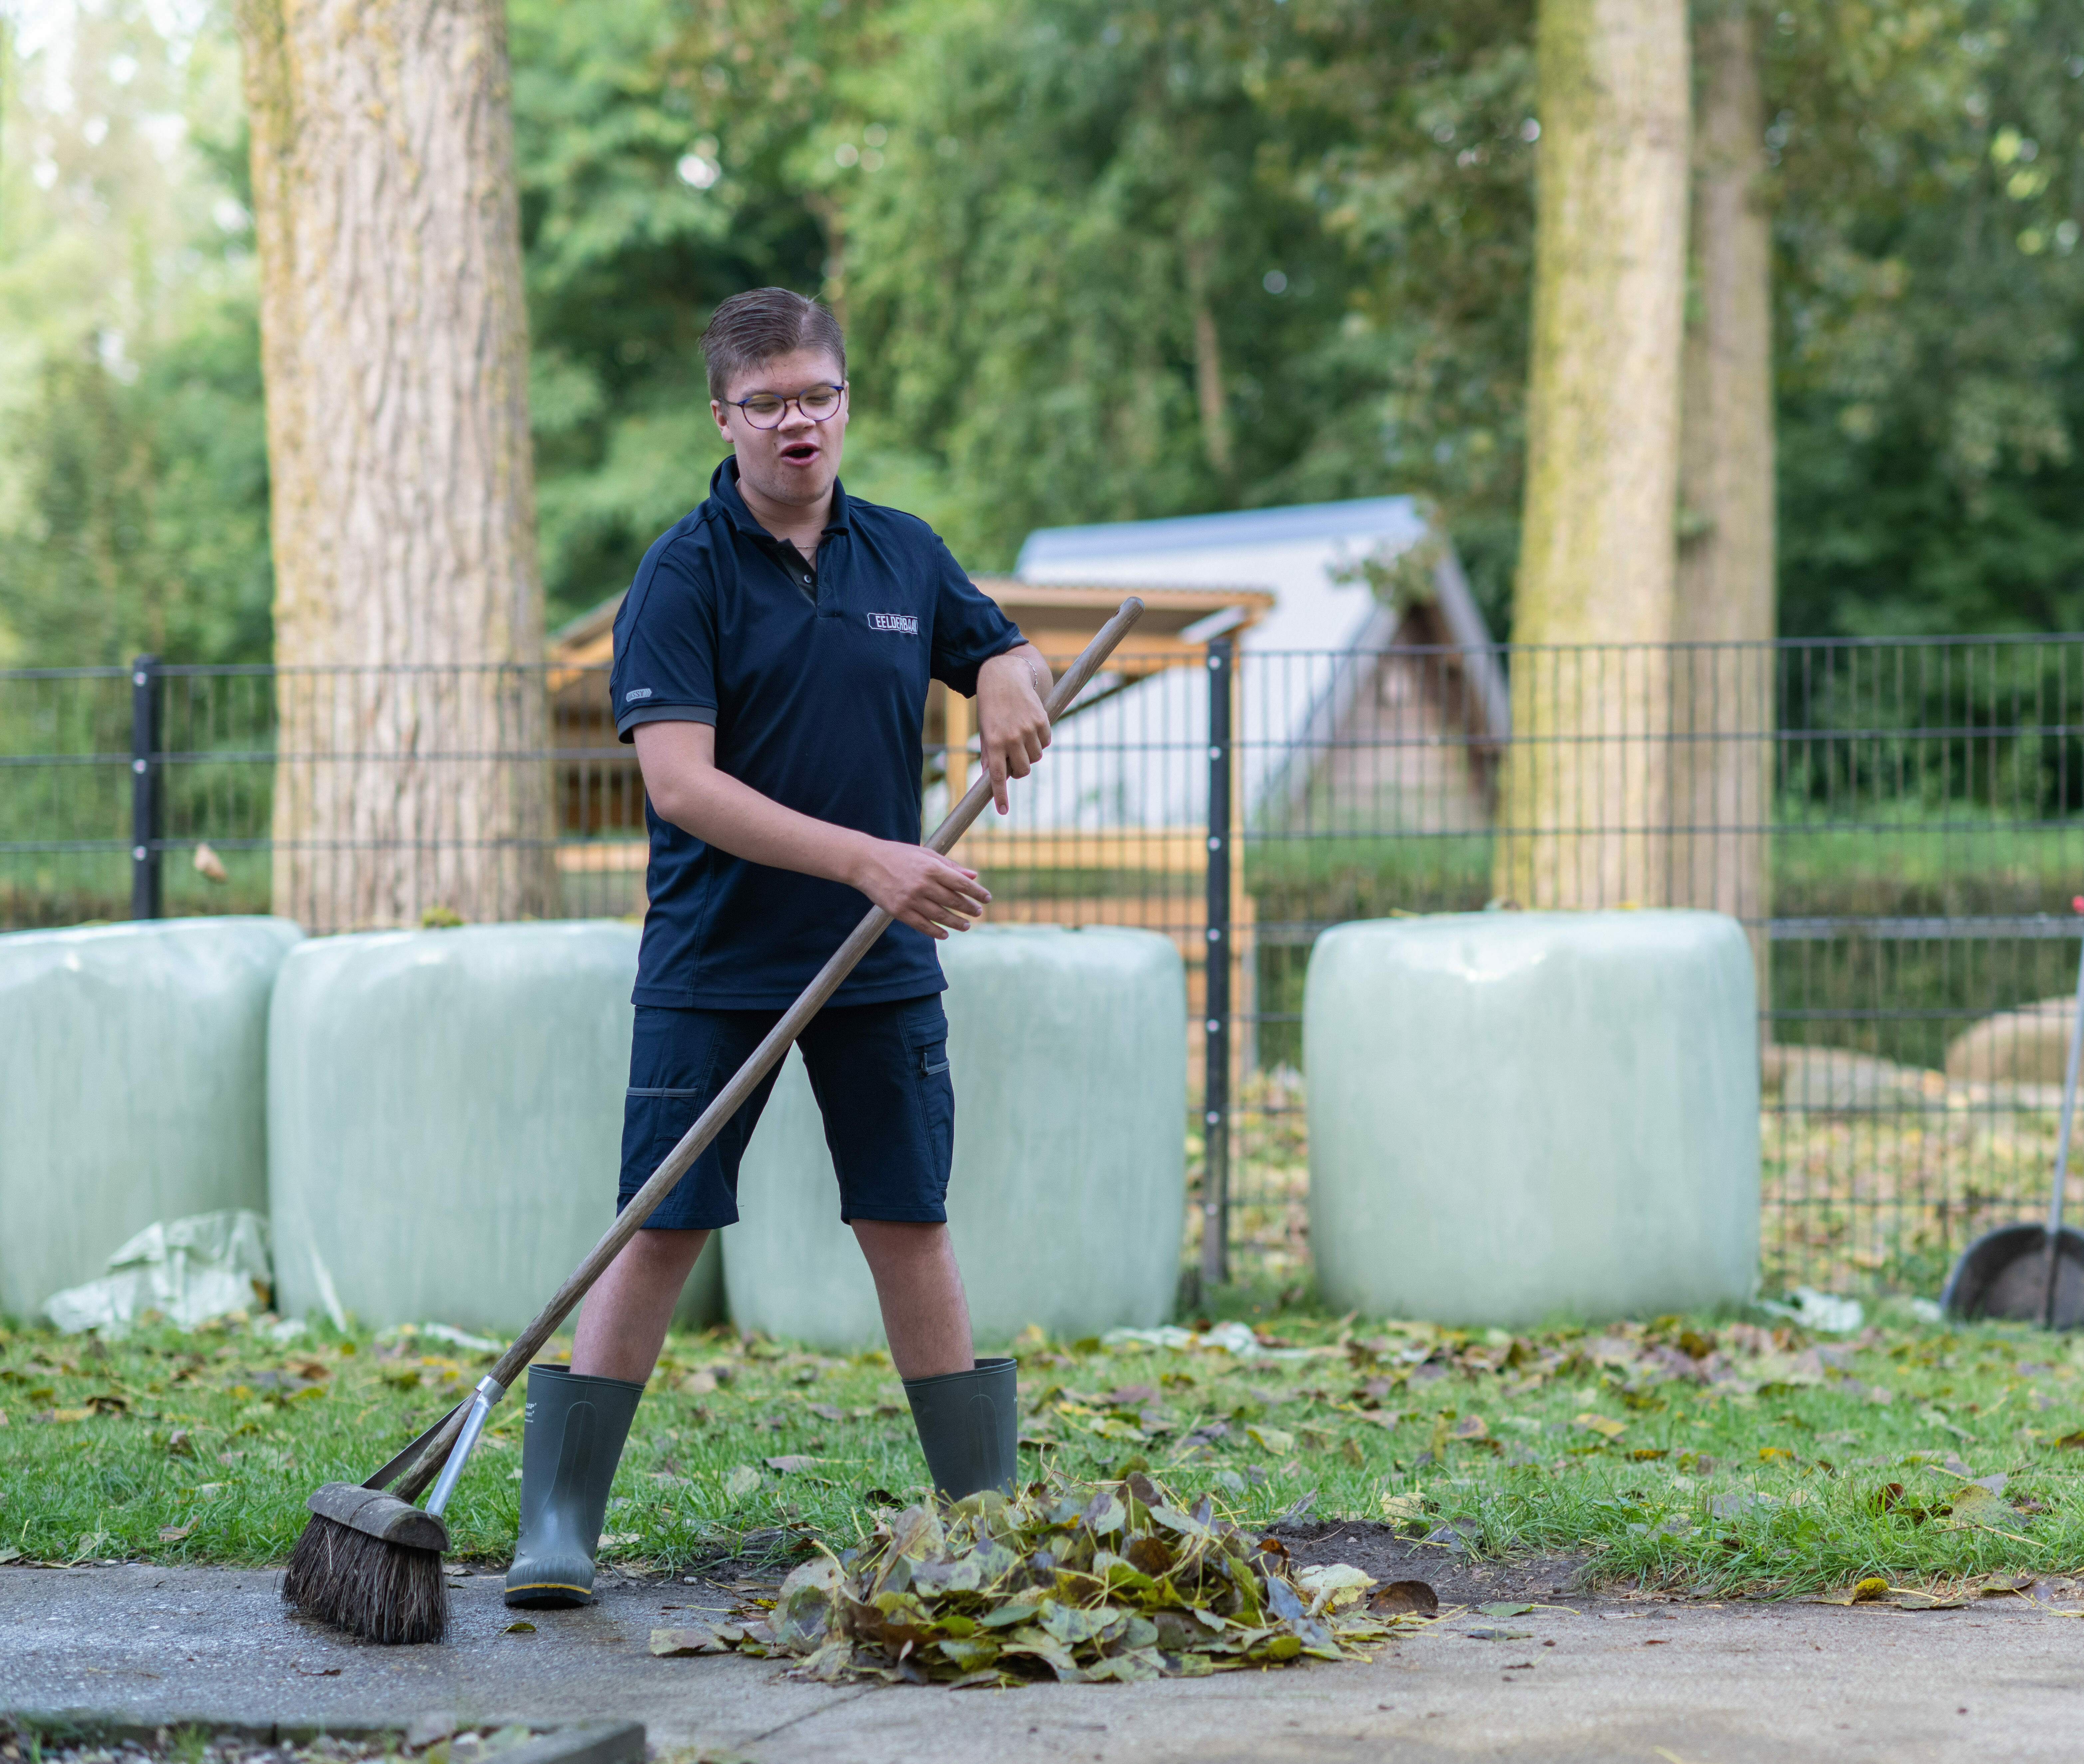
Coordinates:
column 370, row 1563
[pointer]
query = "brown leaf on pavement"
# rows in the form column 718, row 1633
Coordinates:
column 676, row 1644
column 1402, row 1596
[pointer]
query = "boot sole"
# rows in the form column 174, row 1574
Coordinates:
column 547, row 1596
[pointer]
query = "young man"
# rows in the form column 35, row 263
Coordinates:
column 770, row 665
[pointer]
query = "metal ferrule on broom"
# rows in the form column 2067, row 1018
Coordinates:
column 489, row 1391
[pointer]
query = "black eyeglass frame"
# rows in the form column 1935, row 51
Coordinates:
column 788, row 399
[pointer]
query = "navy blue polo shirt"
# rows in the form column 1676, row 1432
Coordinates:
column 816, row 680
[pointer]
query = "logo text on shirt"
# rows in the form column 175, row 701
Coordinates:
column 636, row 692
column 904, row 622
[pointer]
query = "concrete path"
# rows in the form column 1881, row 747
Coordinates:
column 1677, row 1683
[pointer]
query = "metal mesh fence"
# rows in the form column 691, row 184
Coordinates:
column 1896, row 824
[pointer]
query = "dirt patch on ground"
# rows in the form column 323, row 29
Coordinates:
column 1457, row 1578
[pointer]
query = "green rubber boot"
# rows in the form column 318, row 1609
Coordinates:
column 969, row 1427
column 571, row 1444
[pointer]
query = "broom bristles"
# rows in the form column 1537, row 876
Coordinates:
column 387, row 1593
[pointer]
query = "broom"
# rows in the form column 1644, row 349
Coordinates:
column 369, row 1562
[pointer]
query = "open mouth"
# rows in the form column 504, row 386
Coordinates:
column 799, row 453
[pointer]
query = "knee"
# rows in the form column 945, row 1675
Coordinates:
column 901, row 1241
column 666, row 1252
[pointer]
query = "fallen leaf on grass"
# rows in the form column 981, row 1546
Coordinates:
column 1271, row 1439
column 1403, row 1506
column 1999, row 1585
column 1770, row 1454
column 1927, row 1602
column 9, row 1553
column 742, row 1480
column 1975, row 1505
column 1604, row 1425
column 789, row 1462
column 174, row 1534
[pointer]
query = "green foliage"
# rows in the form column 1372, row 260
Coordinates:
column 1930, row 295
column 132, row 467
column 635, row 222
column 1100, row 259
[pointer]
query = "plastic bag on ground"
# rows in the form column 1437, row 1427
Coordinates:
column 190, row 1270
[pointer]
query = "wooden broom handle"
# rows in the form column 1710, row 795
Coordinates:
column 734, row 1095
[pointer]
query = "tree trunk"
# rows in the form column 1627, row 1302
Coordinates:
column 1584, row 803
column 407, row 607
column 1721, row 790
column 1208, row 395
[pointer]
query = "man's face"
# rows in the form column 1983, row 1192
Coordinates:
column 795, row 461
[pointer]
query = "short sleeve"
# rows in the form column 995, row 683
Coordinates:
column 665, row 642
column 969, row 628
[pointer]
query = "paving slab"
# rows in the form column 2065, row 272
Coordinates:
column 1686, row 1682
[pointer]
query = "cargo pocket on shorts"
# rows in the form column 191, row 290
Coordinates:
column 653, row 1121
column 926, row 1036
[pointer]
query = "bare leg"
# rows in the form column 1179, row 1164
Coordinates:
column 920, row 1288
column 623, row 1325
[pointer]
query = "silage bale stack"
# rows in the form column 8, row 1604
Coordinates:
column 1066, row 1202
column 445, row 1119
column 1520, row 1115
column 132, row 1064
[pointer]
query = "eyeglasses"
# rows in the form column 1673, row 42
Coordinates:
column 765, row 410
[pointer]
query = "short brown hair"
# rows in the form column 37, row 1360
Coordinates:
column 761, row 323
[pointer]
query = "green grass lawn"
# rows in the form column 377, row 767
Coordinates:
column 1801, row 1463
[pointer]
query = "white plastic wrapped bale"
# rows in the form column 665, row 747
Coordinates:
column 445, row 1120
column 1520, row 1115
column 133, row 1079
column 1068, row 1193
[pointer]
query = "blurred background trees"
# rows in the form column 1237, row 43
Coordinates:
column 1098, row 260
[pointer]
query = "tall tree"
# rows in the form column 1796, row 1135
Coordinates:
column 394, row 345
column 1081, row 285
column 1723, row 692
column 1584, row 794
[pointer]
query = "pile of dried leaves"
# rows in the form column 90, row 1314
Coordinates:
column 1085, row 1581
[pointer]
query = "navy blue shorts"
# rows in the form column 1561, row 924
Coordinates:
column 879, row 1072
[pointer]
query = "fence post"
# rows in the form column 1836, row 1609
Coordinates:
column 147, row 818
column 1216, row 990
